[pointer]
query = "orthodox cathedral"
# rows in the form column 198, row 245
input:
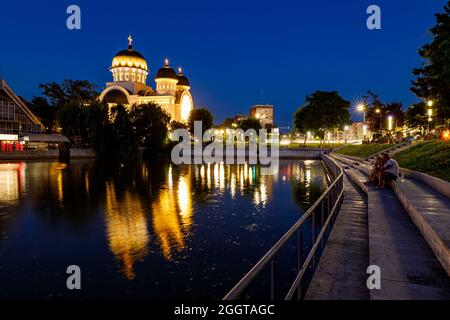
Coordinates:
column 129, row 70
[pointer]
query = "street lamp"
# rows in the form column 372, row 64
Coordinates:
column 430, row 114
column 364, row 131
column 378, row 110
column 361, row 108
column 390, row 123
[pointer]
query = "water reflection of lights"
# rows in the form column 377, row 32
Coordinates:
column 172, row 216
column 58, row 169
column 126, row 228
column 12, row 180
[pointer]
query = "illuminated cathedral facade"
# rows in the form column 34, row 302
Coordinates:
column 129, row 87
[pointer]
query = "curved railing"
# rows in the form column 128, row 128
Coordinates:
column 326, row 206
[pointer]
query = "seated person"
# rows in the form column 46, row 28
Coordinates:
column 376, row 170
column 390, row 170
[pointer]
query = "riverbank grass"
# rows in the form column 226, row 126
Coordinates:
column 432, row 157
column 363, row 150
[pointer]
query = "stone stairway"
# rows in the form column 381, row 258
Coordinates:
column 409, row 268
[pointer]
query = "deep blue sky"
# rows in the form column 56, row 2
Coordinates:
column 230, row 50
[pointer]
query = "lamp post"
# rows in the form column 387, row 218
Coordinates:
column 430, row 114
column 361, row 108
column 345, row 133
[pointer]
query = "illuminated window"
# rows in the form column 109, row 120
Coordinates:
column 186, row 107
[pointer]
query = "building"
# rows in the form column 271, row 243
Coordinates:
column 15, row 119
column 239, row 117
column 129, row 87
column 264, row 113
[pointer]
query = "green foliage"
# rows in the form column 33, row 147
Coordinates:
column 429, row 157
column 227, row 123
column 126, row 141
column 70, row 118
column 416, row 115
column 378, row 112
column 150, row 123
column 177, row 125
column 99, row 128
column 44, row 111
column 433, row 77
column 250, row 123
column 203, row 115
column 363, row 150
column 65, row 103
column 69, row 92
column 324, row 110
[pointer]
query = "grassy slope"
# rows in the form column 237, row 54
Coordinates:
column 429, row 157
column 363, row 150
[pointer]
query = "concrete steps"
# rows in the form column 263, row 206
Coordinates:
column 409, row 269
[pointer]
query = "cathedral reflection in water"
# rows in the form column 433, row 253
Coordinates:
column 149, row 210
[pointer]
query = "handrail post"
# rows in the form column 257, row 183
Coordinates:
column 272, row 279
column 299, row 259
column 313, row 236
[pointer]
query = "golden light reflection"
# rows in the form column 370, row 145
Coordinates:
column 12, row 180
column 172, row 216
column 126, row 228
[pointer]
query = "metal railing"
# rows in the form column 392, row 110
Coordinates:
column 326, row 206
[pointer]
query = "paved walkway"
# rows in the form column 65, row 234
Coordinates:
column 409, row 269
column 341, row 273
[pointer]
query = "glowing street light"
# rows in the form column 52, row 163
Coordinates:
column 390, row 123
column 378, row 110
column 361, row 108
column 430, row 114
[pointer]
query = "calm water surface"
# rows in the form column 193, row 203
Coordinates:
column 151, row 231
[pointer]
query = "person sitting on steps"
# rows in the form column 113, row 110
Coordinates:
column 390, row 171
column 375, row 174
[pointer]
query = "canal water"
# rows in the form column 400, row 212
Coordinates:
column 156, row 231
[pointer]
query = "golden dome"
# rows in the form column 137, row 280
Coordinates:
column 129, row 58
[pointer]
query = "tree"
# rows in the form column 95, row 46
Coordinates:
column 99, row 128
column 70, row 119
column 416, row 116
column 303, row 121
column 69, row 91
column 227, row 123
column 433, row 77
column 150, row 123
column 177, row 125
column 395, row 109
column 250, row 123
column 45, row 112
column 203, row 115
column 64, row 102
column 126, row 142
column 378, row 112
column 324, row 110
column 374, row 112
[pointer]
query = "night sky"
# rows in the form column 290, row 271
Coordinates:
column 235, row 53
